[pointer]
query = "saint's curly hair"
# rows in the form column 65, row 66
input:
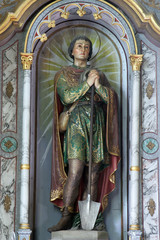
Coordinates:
column 82, row 37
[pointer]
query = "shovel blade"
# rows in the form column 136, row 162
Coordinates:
column 88, row 211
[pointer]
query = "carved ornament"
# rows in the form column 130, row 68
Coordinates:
column 9, row 89
column 7, row 203
column 97, row 12
column 136, row 61
column 145, row 18
column 149, row 90
column 151, row 206
column 27, row 59
column 150, row 145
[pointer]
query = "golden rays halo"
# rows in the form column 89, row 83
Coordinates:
column 54, row 55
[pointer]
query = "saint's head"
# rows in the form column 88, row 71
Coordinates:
column 80, row 48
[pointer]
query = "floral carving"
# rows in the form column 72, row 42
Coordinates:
column 97, row 16
column 81, row 12
column 43, row 37
column 151, row 206
column 9, row 89
column 150, row 145
column 51, row 24
column 8, row 144
column 149, row 90
column 65, row 15
column 7, row 203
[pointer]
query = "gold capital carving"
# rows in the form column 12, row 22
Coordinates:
column 135, row 168
column 136, row 61
column 26, row 59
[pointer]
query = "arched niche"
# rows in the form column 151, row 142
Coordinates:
column 48, row 30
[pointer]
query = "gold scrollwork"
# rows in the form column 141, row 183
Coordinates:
column 26, row 59
column 136, row 61
column 64, row 13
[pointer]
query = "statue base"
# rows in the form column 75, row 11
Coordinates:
column 79, row 235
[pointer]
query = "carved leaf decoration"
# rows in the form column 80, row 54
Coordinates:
column 149, row 90
column 150, row 145
column 7, row 203
column 8, row 144
column 9, row 89
column 151, row 206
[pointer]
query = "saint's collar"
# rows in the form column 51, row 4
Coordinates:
column 81, row 68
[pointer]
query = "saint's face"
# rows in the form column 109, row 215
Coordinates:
column 81, row 50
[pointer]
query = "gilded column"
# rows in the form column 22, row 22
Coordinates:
column 24, row 231
column 135, row 233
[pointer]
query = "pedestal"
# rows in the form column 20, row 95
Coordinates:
column 135, row 235
column 79, row 235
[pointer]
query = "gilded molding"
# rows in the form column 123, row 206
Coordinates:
column 134, row 227
column 25, row 166
column 13, row 18
column 152, row 3
column 81, row 12
column 135, row 168
column 26, row 59
column 145, row 18
column 136, row 61
column 24, row 226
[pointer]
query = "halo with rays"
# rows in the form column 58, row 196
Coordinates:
column 53, row 56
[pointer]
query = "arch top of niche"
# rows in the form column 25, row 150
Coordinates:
column 60, row 12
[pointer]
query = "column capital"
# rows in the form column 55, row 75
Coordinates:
column 136, row 61
column 26, row 59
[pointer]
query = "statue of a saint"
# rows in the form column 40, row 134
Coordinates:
column 71, row 148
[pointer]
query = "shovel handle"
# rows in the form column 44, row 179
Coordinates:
column 91, row 139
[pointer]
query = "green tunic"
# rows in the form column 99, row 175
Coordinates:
column 77, row 135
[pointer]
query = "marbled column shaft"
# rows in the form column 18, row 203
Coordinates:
column 24, row 203
column 134, row 173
